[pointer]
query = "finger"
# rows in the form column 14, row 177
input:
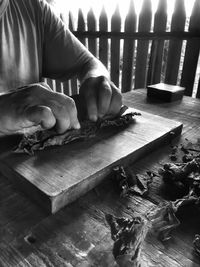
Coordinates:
column 67, row 115
column 74, row 123
column 116, row 101
column 104, row 97
column 62, row 123
column 39, row 115
column 92, row 107
column 64, row 110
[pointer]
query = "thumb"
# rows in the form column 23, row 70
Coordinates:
column 40, row 115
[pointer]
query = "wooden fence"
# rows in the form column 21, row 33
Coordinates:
column 143, row 49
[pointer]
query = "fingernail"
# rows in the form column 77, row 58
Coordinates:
column 93, row 117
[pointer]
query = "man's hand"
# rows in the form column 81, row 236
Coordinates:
column 37, row 104
column 102, row 97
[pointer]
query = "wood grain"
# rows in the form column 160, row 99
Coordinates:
column 59, row 175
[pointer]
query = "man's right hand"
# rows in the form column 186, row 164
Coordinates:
column 36, row 104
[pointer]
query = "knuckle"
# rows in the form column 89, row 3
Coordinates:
column 106, row 89
column 35, row 90
column 66, row 123
column 44, row 112
column 71, row 104
column 67, row 107
column 63, row 124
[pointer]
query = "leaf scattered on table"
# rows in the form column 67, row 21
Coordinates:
column 130, row 183
column 128, row 236
column 185, row 176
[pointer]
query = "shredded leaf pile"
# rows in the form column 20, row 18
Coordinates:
column 185, row 177
column 41, row 139
column 181, row 174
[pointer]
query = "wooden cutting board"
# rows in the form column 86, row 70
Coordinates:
column 59, row 175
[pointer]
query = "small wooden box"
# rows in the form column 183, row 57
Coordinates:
column 165, row 92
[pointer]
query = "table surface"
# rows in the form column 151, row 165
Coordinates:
column 78, row 235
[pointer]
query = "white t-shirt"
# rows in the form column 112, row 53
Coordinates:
column 34, row 43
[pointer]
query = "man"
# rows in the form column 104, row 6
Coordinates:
column 34, row 43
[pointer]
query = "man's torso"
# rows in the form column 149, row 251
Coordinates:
column 20, row 44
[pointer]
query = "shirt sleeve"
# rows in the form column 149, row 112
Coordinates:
column 63, row 54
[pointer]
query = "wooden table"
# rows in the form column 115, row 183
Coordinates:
column 78, row 235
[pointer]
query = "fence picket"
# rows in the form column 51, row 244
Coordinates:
column 136, row 50
column 115, row 46
column 156, row 55
column 103, row 41
column 67, row 84
column 66, row 88
column 128, row 50
column 92, row 25
column 58, row 86
column 71, row 25
column 191, row 52
column 81, row 26
column 143, row 46
column 175, row 46
column 72, row 86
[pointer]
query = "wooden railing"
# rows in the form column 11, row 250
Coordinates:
column 142, row 49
